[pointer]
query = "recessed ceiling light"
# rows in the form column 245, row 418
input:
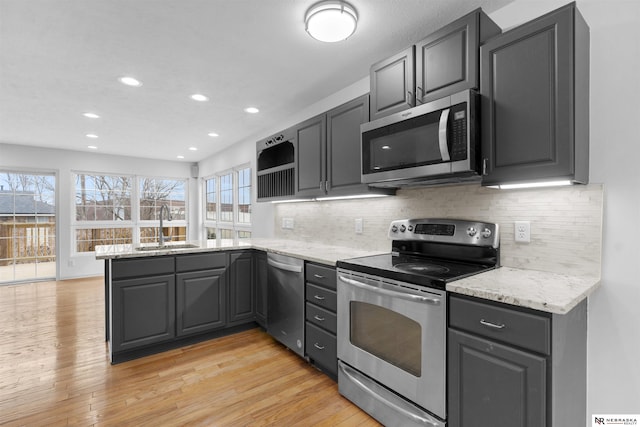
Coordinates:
column 92, row 147
column 130, row 81
column 199, row 97
column 251, row 110
column 91, row 115
column 193, row 149
column 213, row 134
column 91, row 135
column 180, row 157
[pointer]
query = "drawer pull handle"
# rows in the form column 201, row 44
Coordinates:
column 318, row 346
column 317, row 276
column 492, row 325
column 318, row 318
column 319, row 297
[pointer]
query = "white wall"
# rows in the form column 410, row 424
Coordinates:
column 62, row 162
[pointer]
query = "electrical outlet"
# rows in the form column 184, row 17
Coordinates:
column 522, row 231
column 359, row 225
column 287, row 223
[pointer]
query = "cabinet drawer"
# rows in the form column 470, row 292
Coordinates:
column 519, row 328
column 321, row 275
column 322, row 317
column 323, row 297
column 321, row 347
column 141, row 267
column 206, row 261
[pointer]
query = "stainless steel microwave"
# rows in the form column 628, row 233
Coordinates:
column 433, row 143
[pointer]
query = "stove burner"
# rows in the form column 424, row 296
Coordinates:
column 421, row 268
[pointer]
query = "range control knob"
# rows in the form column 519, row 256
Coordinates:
column 394, row 228
column 403, row 228
column 410, row 228
column 486, row 233
column 471, row 231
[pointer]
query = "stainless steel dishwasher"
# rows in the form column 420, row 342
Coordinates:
column 285, row 300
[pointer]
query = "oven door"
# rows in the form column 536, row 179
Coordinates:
column 394, row 333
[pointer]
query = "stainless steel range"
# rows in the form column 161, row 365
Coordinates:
column 392, row 317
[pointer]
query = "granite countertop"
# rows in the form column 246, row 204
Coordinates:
column 323, row 254
column 540, row 290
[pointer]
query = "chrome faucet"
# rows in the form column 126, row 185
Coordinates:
column 161, row 237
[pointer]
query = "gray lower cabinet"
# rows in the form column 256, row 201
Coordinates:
column 143, row 311
column 535, row 101
column 320, row 315
column 201, row 292
column 201, row 301
column 261, row 274
column 241, row 288
column 514, row 367
column 494, row 385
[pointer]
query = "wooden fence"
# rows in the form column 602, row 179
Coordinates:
column 26, row 242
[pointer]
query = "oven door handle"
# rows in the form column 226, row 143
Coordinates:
column 352, row 375
column 387, row 292
column 442, row 135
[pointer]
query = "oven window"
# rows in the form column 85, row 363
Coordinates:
column 387, row 335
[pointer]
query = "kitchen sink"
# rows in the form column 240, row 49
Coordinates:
column 166, row 246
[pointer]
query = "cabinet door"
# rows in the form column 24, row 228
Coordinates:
column 241, row 287
column 527, row 102
column 261, row 288
column 311, row 157
column 494, row 385
column 143, row 311
column 392, row 81
column 200, row 301
column 343, row 145
column 447, row 60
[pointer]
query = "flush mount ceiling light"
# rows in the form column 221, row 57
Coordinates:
column 331, row 21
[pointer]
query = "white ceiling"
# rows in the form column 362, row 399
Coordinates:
column 60, row 58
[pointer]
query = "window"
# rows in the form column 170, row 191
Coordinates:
column 154, row 193
column 228, row 204
column 102, row 211
column 113, row 209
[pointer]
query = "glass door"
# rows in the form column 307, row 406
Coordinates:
column 27, row 226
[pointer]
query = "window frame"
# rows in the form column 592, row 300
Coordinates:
column 234, row 225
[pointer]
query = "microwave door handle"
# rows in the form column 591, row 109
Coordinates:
column 442, row 135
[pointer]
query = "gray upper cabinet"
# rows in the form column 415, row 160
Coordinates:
column 343, row 147
column 328, row 155
column 392, row 83
column 445, row 62
column 535, row 101
column 311, row 156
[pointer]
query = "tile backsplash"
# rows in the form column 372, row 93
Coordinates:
column 566, row 222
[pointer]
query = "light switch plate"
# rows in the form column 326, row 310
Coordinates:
column 359, row 225
column 522, row 231
column 287, row 223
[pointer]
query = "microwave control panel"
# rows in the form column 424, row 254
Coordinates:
column 458, row 132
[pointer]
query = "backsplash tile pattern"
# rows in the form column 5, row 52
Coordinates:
column 566, row 222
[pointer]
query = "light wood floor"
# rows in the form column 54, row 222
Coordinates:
column 54, row 371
